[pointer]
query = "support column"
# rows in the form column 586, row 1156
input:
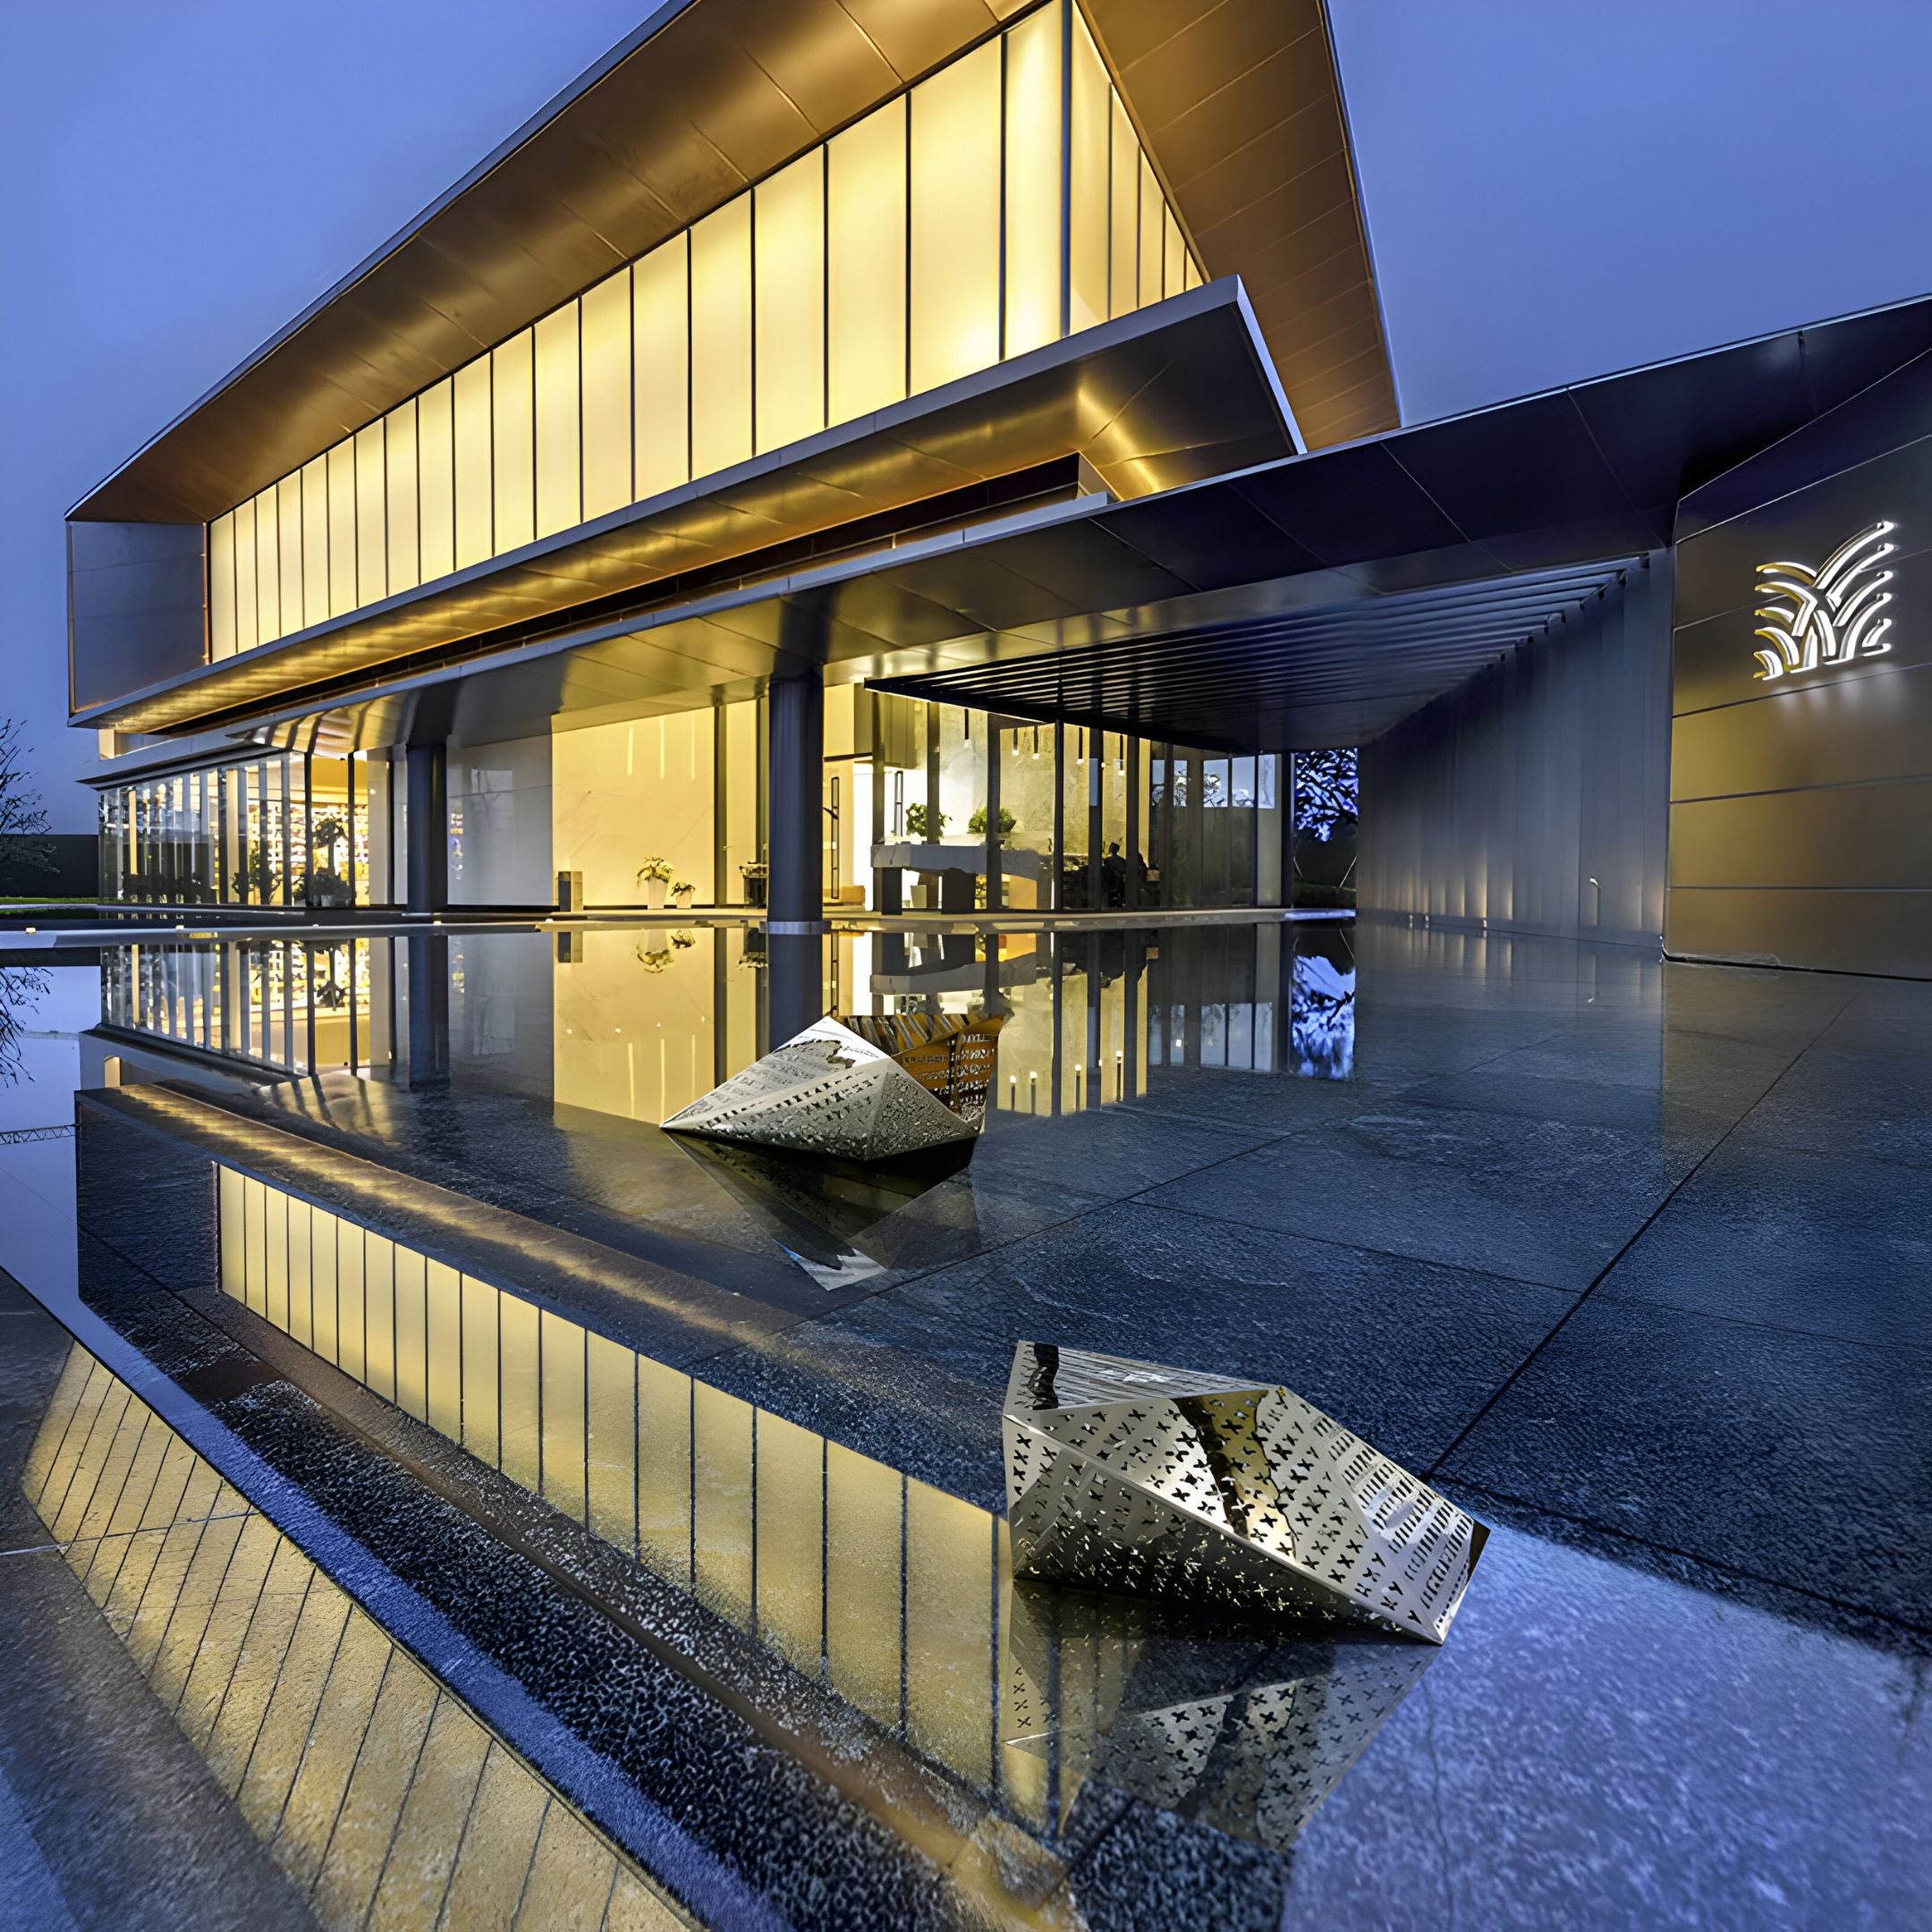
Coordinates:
column 426, row 859
column 794, row 924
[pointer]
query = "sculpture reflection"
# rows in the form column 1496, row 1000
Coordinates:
column 821, row 1211
column 1240, row 1729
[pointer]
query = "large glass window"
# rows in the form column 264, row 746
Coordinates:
column 966, row 221
column 287, row 829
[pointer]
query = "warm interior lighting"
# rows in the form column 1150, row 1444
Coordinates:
column 999, row 204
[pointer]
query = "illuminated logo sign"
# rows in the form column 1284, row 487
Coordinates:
column 1814, row 617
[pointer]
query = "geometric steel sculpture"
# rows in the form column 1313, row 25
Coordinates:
column 1152, row 1481
column 862, row 1089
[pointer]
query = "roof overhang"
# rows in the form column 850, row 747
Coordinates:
column 1342, row 589
column 1149, row 402
column 1240, row 108
column 706, row 97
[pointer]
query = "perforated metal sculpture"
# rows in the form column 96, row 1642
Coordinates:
column 864, row 1088
column 1154, row 1481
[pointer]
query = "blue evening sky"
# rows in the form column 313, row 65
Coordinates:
column 1555, row 189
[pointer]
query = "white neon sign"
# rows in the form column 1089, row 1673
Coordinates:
column 1828, row 615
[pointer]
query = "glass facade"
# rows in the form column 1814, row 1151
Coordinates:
column 1000, row 204
column 1085, row 820
column 287, row 828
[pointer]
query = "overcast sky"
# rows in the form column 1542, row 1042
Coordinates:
column 1555, row 189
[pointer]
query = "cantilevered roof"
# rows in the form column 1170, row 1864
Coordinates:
column 705, row 99
column 1165, row 395
column 1337, row 675
column 1304, row 592
column 709, row 96
column 1240, row 107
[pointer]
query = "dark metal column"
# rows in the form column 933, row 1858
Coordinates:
column 794, row 926
column 426, row 861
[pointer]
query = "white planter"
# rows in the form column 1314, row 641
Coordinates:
column 683, row 900
column 654, row 893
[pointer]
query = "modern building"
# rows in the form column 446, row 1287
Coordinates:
column 955, row 462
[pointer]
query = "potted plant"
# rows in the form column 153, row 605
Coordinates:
column 976, row 825
column 924, row 823
column 682, row 895
column 755, row 876
column 654, row 876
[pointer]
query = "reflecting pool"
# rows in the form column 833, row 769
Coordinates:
column 435, row 1494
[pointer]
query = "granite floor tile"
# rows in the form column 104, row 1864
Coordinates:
column 1831, row 1244
column 1804, row 1459
column 1403, row 1352
column 1851, row 1104
column 1544, row 1200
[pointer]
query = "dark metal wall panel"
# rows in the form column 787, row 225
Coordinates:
column 1531, row 798
column 1801, row 805
column 135, row 599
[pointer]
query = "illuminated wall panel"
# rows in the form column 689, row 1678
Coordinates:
column 435, row 481
column 660, row 297
column 411, row 1332
column 248, row 626
column 605, row 353
column 268, row 565
column 721, row 338
column 476, row 1392
column 288, row 563
column 866, row 263
column 342, row 528
column 315, row 536
column 562, row 1345
column 471, row 402
column 789, row 244
column 954, row 266
column 378, row 1313
column 512, row 409
column 1123, row 245
column 1001, row 202
column 372, row 517
column 1152, row 211
column 399, row 451
column 559, row 440
column 1036, row 266
column 1087, row 182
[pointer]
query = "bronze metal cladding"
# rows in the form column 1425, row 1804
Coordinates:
column 1240, row 107
column 706, row 97
column 1154, row 1481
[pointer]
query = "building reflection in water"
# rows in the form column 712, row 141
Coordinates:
column 381, row 1796
column 893, row 1594
column 642, row 1024
column 290, row 1005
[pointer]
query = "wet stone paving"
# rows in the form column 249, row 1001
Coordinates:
column 433, row 1495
